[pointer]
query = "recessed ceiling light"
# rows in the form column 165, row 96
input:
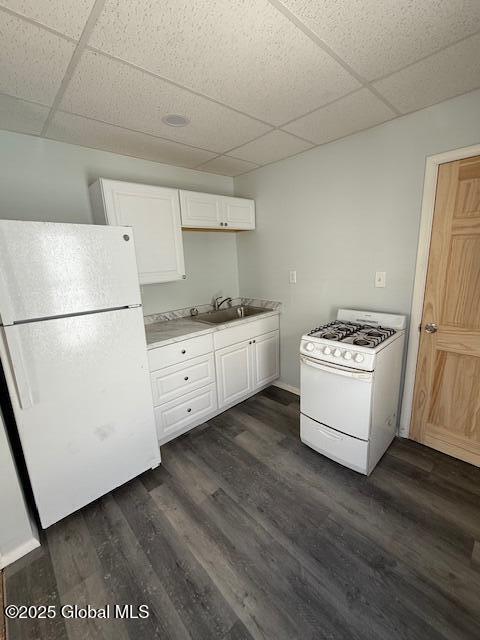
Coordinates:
column 174, row 120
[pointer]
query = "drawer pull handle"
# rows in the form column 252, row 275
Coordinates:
column 183, row 351
column 188, row 410
column 186, row 378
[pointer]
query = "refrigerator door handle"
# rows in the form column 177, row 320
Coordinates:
column 18, row 368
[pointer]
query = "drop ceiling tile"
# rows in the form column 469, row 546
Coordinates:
column 273, row 146
column 67, row 16
column 33, row 61
column 359, row 110
column 108, row 90
column 446, row 74
column 98, row 135
column 21, row 116
column 244, row 54
column 376, row 37
column 227, row 166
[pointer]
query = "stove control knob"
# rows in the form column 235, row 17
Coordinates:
column 347, row 355
column 327, row 351
column 359, row 357
column 309, row 346
column 337, row 353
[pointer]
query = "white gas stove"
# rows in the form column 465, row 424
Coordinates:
column 350, row 383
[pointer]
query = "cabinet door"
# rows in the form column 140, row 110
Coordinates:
column 265, row 359
column 201, row 210
column 154, row 215
column 238, row 213
column 234, row 373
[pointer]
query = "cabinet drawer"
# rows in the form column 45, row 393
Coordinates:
column 190, row 409
column 179, row 352
column 226, row 337
column 171, row 382
column 351, row 452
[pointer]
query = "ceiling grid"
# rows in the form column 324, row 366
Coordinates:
column 259, row 80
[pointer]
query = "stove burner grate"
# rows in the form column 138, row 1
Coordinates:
column 361, row 342
column 335, row 330
column 361, row 335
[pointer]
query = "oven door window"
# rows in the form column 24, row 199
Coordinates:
column 337, row 398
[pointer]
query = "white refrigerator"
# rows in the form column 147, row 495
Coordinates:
column 72, row 348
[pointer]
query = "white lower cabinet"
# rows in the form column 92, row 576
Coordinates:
column 197, row 378
column 234, row 373
column 265, row 359
column 244, row 368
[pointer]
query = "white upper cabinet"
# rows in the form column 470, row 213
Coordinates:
column 208, row 211
column 238, row 213
column 201, row 210
column 154, row 215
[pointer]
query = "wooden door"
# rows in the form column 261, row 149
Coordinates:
column 234, row 373
column 154, row 215
column 265, row 359
column 446, row 411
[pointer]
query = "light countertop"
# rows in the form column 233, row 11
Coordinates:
column 166, row 332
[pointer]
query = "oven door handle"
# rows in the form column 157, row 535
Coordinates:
column 340, row 371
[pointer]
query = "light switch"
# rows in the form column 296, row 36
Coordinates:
column 380, row 278
column 293, row 277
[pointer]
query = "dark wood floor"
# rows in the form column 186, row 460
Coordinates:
column 244, row 532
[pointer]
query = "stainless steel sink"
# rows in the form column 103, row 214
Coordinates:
column 227, row 315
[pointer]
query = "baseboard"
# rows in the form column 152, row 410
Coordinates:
column 286, row 387
column 19, row 552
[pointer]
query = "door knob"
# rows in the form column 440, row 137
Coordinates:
column 431, row 327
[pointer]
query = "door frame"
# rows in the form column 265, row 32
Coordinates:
column 423, row 252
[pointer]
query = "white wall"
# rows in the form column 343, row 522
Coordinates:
column 212, row 270
column 46, row 180
column 340, row 212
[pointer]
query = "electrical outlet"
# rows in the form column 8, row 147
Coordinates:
column 380, row 278
column 293, row 277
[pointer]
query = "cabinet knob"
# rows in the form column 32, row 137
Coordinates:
column 186, row 378
column 254, row 341
column 226, row 224
column 188, row 410
column 221, row 224
column 184, row 277
column 183, row 351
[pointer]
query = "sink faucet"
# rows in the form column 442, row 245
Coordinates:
column 217, row 304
